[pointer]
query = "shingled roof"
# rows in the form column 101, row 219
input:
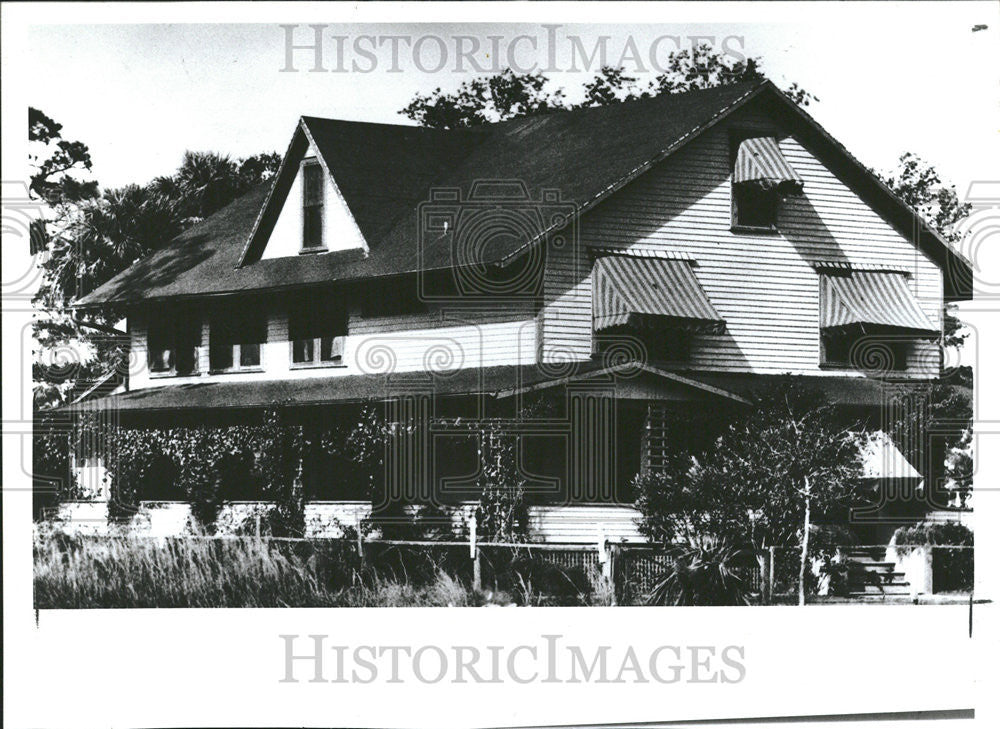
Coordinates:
column 385, row 172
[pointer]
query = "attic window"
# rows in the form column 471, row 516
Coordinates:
column 761, row 176
column 312, row 207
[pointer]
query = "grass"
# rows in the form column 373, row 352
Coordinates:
column 133, row 572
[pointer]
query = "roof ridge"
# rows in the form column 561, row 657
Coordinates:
column 658, row 98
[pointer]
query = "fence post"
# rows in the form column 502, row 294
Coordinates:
column 612, row 568
column 605, row 556
column 360, row 543
column 770, row 575
column 258, row 525
column 474, row 554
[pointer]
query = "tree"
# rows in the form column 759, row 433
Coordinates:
column 509, row 95
column 93, row 236
column 946, row 409
column 777, row 467
column 52, row 159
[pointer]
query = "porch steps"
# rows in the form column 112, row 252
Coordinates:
column 882, row 577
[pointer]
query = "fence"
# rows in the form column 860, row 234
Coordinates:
column 560, row 573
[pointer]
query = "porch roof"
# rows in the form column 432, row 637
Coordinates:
column 840, row 390
column 492, row 381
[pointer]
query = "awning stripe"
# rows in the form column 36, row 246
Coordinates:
column 629, row 289
column 871, row 298
column 759, row 161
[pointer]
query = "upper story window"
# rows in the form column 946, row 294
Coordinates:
column 755, row 208
column 317, row 330
column 236, row 336
column 655, row 301
column 869, row 320
column 172, row 342
column 761, row 176
column 312, row 207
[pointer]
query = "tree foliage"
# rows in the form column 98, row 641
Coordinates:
column 510, row 95
column 92, row 236
column 789, row 455
column 946, row 408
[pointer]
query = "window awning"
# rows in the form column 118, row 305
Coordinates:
column 881, row 459
column 632, row 290
column 876, row 300
column 760, row 162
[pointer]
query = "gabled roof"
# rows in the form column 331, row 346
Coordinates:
column 386, row 171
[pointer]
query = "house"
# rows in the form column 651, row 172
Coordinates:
column 636, row 261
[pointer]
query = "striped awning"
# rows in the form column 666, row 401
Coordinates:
column 871, row 299
column 881, row 458
column 639, row 291
column 760, row 162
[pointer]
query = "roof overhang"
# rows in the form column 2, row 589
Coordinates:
column 499, row 382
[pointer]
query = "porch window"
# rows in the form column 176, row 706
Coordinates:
column 761, row 175
column 318, row 331
column 312, row 207
column 172, row 342
column 236, row 338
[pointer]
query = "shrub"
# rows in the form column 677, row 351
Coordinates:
column 953, row 568
column 535, row 580
column 701, row 573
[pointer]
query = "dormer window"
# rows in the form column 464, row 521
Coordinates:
column 236, row 336
column 172, row 342
column 312, row 207
column 761, row 176
column 318, row 331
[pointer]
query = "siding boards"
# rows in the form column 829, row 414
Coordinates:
column 439, row 339
column 763, row 285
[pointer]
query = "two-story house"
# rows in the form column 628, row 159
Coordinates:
column 643, row 259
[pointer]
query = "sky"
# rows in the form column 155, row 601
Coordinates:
column 140, row 95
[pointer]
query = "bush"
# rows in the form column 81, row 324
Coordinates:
column 953, row 568
column 701, row 573
column 535, row 580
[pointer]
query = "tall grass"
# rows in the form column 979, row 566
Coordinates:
column 141, row 572
column 126, row 572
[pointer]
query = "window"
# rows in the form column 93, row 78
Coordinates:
column 653, row 343
column 317, row 330
column 172, row 343
column 856, row 350
column 754, row 207
column 761, row 176
column 236, row 338
column 312, row 207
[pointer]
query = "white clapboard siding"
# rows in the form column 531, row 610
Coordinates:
column 764, row 286
column 583, row 524
column 441, row 339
